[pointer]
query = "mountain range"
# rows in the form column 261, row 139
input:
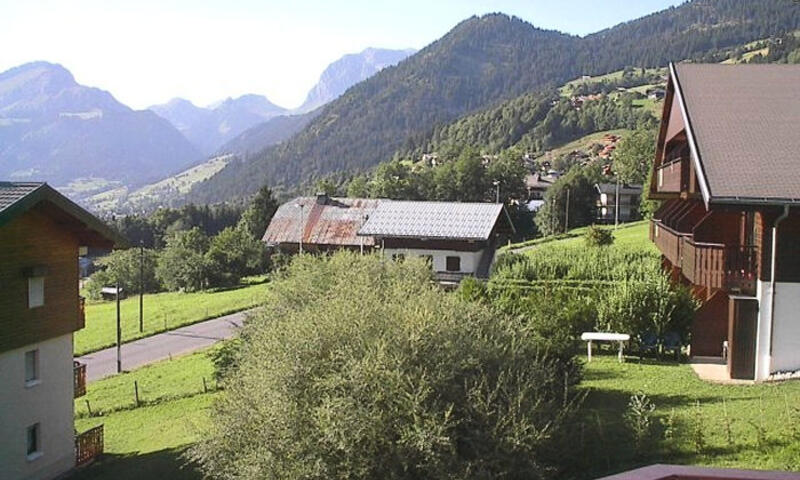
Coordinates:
column 480, row 63
column 210, row 127
column 53, row 129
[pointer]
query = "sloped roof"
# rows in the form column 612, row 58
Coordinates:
column 17, row 198
column 334, row 222
column 440, row 220
column 744, row 124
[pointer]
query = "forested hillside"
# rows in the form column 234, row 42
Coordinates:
column 480, row 63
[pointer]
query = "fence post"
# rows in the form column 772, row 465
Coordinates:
column 88, row 407
column 205, row 388
column 136, row 391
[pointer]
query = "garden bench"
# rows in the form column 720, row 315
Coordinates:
column 590, row 337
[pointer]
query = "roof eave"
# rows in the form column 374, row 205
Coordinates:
column 695, row 152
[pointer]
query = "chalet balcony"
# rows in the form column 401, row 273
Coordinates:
column 88, row 446
column 81, row 312
column 719, row 266
column 79, row 378
column 733, row 268
column 673, row 176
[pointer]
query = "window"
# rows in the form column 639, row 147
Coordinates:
column 33, row 448
column 453, row 264
column 35, row 292
column 31, row 367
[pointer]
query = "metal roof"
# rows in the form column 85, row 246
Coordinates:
column 744, row 123
column 441, row 220
column 325, row 221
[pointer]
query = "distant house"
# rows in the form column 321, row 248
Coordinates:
column 656, row 94
column 538, row 184
column 320, row 223
column 41, row 235
column 606, row 203
column 458, row 239
column 727, row 170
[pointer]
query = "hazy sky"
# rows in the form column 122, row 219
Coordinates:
column 148, row 51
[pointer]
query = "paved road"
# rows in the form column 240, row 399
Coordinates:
column 159, row 347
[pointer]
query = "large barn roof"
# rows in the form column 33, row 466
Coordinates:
column 325, row 221
column 743, row 123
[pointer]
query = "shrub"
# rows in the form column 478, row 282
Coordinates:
column 124, row 266
column 359, row 368
column 598, row 237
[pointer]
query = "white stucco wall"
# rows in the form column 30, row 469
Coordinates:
column 469, row 260
column 785, row 354
column 49, row 403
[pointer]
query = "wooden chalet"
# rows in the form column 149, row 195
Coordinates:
column 42, row 234
column 727, row 169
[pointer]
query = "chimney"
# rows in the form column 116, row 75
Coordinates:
column 323, row 198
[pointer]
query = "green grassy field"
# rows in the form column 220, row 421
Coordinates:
column 148, row 441
column 583, row 143
column 763, row 420
column 634, row 234
column 162, row 311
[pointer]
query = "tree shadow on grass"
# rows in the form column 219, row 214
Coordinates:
column 163, row 464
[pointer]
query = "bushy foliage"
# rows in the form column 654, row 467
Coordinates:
column 360, row 368
column 598, row 237
column 123, row 267
column 633, row 158
column 653, row 305
column 574, row 192
column 182, row 264
column 259, row 212
column 233, row 254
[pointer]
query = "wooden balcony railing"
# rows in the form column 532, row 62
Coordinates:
column 88, row 445
column 81, row 312
column 719, row 266
column 668, row 241
column 712, row 265
column 671, row 176
column 79, row 378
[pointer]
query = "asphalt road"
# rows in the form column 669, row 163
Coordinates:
column 176, row 342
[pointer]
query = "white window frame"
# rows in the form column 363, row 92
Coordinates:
column 35, row 292
column 36, row 379
column 37, row 429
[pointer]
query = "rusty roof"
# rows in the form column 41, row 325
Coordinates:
column 744, row 125
column 331, row 221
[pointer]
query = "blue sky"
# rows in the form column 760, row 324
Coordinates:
column 148, row 51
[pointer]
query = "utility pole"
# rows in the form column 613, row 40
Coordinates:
column 566, row 214
column 119, row 334
column 302, row 227
column 141, row 286
column 616, row 206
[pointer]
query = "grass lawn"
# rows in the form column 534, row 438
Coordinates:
column 148, row 441
column 162, row 311
column 764, row 419
column 634, row 234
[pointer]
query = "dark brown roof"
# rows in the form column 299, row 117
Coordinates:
column 745, row 123
column 17, row 198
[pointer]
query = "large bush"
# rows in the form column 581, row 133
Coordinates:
column 361, row 369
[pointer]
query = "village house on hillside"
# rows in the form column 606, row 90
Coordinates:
column 728, row 172
column 459, row 239
column 42, row 234
column 606, row 204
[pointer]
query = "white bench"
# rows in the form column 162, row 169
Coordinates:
column 604, row 337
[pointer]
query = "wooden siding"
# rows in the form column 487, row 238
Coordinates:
column 710, row 326
column 30, row 240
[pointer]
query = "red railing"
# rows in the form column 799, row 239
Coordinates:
column 81, row 312
column 88, row 445
column 79, row 378
column 671, row 175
